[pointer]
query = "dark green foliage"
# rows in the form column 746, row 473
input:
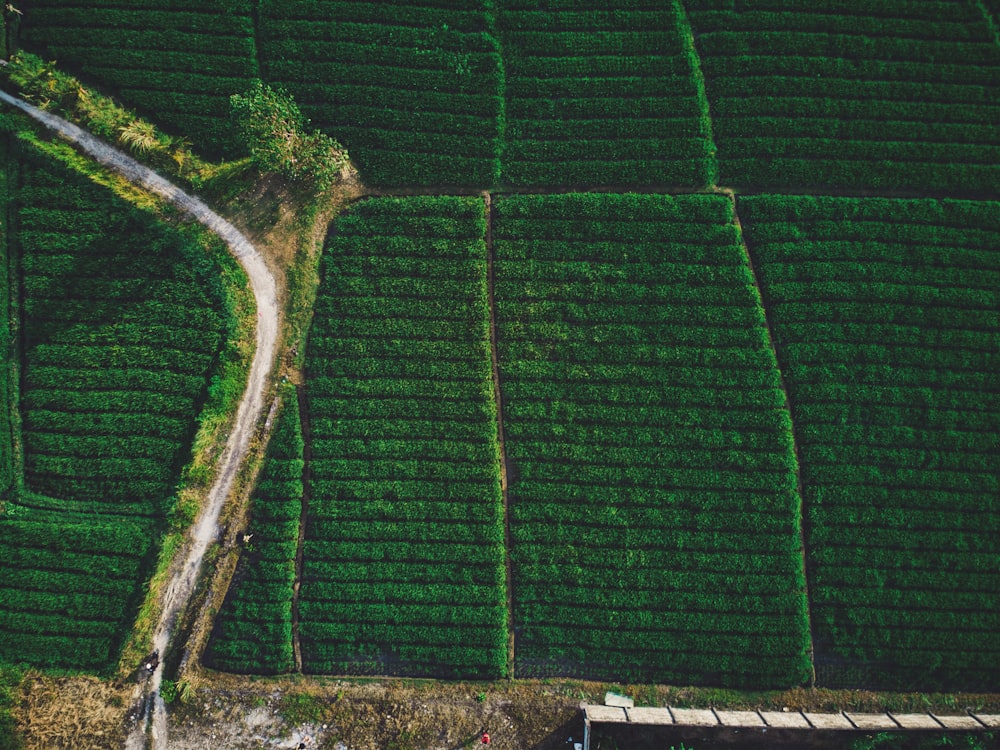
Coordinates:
column 273, row 129
column 68, row 590
column 413, row 92
column 652, row 480
column 886, row 317
column 179, row 61
column 10, row 680
column 600, row 97
column 121, row 330
column 403, row 560
column 253, row 632
column 831, row 94
column 8, row 366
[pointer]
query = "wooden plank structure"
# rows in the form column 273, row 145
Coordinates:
column 784, row 720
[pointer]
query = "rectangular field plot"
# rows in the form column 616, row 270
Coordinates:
column 653, row 496
column 68, row 591
column 121, row 327
column 414, row 92
column 253, row 631
column 178, row 61
column 600, row 97
column 887, row 318
column 403, row 567
column 812, row 94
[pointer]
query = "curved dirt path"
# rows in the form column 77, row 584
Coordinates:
column 205, row 529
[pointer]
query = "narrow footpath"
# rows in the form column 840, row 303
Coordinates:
column 151, row 730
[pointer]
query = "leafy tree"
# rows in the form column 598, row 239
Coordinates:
column 273, row 129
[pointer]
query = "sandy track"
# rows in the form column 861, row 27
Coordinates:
column 205, row 530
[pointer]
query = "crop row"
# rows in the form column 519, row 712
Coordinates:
column 86, row 338
column 848, row 96
column 253, row 631
column 379, row 490
column 902, row 416
column 551, row 539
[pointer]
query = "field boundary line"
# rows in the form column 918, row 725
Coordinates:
column 299, row 395
column 687, row 38
column 501, row 444
column 800, row 510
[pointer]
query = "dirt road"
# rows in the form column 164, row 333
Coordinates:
column 262, row 284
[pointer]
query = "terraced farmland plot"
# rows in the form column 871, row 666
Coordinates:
column 121, row 328
column 901, row 95
column 887, row 317
column 253, row 632
column 403, row 568
column 601, row 97
column 653, row 494
column 178, row 60
column 69, row 588
column 413, row 91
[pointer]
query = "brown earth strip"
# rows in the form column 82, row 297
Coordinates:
column 498, row 400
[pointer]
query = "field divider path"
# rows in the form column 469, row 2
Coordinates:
column 300, row 396
column 705, row 113
column 205, row 530
column 501, row 445
column 794, row 438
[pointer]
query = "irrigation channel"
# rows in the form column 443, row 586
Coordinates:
column 152, row 721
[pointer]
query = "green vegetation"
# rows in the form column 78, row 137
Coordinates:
column 273, row 129
column 663, row 519
column 815, row 94
column 8, row 351
column 120, row 329
column 652, row 479
column 887, row 318
column 10, row 680
column 599, row 96
column 414, row 92
column 179, row 60
column 120, row 332
column 403, row 568
column 253, row 632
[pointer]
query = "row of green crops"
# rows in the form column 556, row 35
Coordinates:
column 886, row 315
column 653, row 494
column 253, row 631
column 179, row 60
column 120, row 330
column 901, row 95
column 403, row 562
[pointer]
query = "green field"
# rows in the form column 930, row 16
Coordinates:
column 698, row 385
column 118, row 328
column 887, row 319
